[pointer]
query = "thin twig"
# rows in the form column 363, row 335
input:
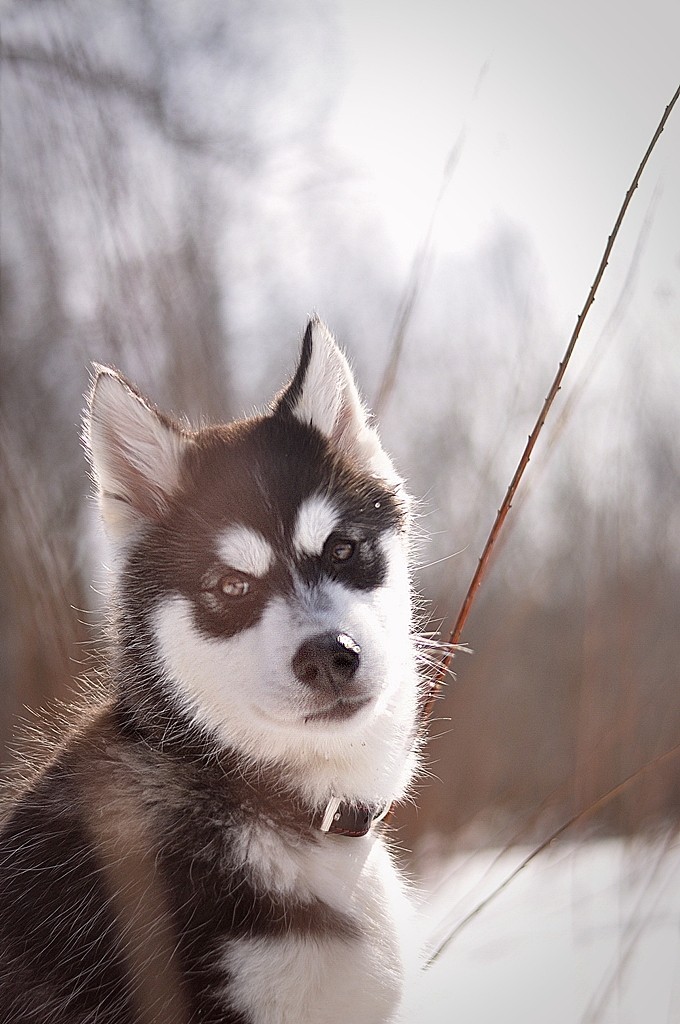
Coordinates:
column 635, row 928
column 419, row 268
column 456, row 633
column 483, row 563
column 585, row 812
column 607, row 335
column 414, row 285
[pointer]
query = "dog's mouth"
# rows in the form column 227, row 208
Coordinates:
column 339, row 709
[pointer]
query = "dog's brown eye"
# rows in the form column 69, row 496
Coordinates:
column 343, row 550
column 234, row 586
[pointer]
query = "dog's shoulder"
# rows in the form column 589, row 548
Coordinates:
column 202, row 884
column 53, row 893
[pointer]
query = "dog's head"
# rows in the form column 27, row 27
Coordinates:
column 262, row 571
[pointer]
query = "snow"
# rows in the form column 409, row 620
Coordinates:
column 584, row 934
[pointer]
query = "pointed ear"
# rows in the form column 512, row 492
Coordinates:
column 135, row 453
column 323, row 394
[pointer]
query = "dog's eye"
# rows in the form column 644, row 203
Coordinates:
column 234, row 586
column 343, row 550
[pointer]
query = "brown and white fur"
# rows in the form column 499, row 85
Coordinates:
column 168, row 864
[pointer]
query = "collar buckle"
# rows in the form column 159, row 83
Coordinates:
column 355, row 820
column 329, row 814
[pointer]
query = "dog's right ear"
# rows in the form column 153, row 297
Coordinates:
column 323, row 395
column 135, row 452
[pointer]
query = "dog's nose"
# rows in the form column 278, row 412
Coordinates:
column 327, row 662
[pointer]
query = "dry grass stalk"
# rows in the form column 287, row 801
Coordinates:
column 483, row 563
column 580, row 816
column 456, row 633
column 419, row 268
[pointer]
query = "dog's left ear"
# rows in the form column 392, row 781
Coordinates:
column 323, row 394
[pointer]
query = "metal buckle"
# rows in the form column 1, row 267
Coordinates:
column 331, row 808
column 332, row 814
column 383, row 813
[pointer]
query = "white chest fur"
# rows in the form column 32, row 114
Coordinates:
column 329, row 980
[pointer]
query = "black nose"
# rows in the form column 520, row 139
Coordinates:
column 327, row 662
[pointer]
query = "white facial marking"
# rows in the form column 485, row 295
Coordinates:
column 243, row 689
column 316, row 519
column 246, row 550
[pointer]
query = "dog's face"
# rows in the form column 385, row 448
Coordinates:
column 267, row 562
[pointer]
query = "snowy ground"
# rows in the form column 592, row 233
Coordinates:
column 585, row 934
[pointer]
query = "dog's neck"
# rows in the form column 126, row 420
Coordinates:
column 263, row 791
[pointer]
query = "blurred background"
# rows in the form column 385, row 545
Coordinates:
column 182, row 183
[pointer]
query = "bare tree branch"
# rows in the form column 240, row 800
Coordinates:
column 483, row 563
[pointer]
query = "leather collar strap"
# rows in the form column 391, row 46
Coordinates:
column 344, row 819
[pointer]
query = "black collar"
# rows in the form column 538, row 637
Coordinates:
column 340, row 818
column 337, row 818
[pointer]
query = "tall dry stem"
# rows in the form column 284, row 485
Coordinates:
column 484, row 559
column 483, row 563
column 585, row 812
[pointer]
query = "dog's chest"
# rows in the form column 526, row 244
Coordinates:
column 329, row 975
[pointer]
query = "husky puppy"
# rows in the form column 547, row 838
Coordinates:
column 205, row 846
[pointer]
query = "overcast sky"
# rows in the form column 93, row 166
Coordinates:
column 558, row 103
